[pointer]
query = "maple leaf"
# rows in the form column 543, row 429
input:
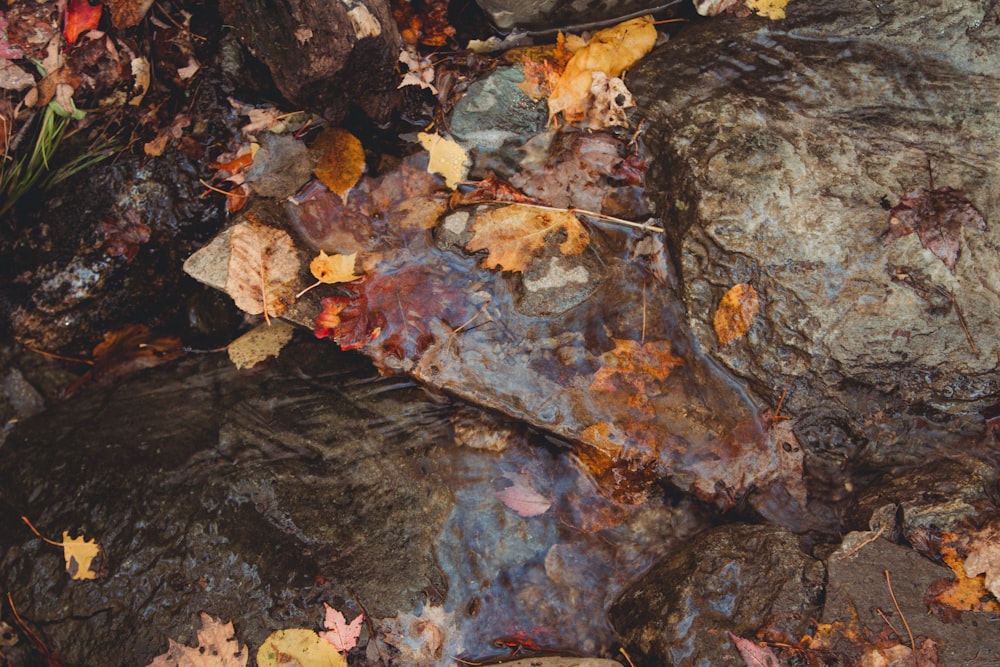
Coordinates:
column 340, row 159
column 217, row 647
column 263, row 266
column 736, row 313
column 340, row 634
column 753, row 654
column 937, row 216
column 612, row 51
column 447, row 158
column 79, row 554
column 522, row 497
column 397, row 308
column 80, row 17
column 635, row 365
column 512, row 234
column 331, row 269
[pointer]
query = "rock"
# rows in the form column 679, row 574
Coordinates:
column 568, row 15
column 776, row 142
column 324, row 56
column 733, row 578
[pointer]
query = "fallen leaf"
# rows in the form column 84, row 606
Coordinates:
column 13, row 77
column 263, row 268
column 772, row 9
column 80, row 17
column 127, row 350
column 984, row 557
column 447, row 157
column 611, row 51
column 610, row 100
column 128, row 13
column 123, row 235
column 513, row 234
column 298, row 646
column 753, row 654
column 217, row 647
column 340, row 634
column 521, row 496
column 636, row 366
column 963, row 593
column 937, row 216
column 334, row 268
column 420, row 71
column 340, row 159
column 79, row 554
column 622, row 461
column 280, row 167
column 736, row 313
column 423, row 639
column 716, row 7
column 260, row 343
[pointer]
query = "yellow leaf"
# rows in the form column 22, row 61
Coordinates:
column 513, row 233
column 305, row 646
column 612, row 51
column 79, row 554
column 736, row 313
column 772, row 9
column 340, row 159
column 331, row 269
column 259, row 344
column 447, row 158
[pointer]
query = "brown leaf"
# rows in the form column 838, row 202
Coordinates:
column 512, row 234
column 635, row 366
column 263, row 269
column 340, row 159
column 217, row 647
column 127, row 13
column 736, row 313
column 937, row 216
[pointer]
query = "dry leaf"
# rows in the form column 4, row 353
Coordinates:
column 217, row 647
column 127, row 13
column 332, row 269
column 260, row 343
column 301, row 645
column 340, row 159
column 612, row 51
column 521, row 496
column 263, row 268
column 79, row 555
column 447, row 158
column 80, row 16
column 512, row 234
column 937, row 216
column 736, row 313
column 340, row 634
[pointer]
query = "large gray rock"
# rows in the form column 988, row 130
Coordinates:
column 565, row 14
column 776, row 142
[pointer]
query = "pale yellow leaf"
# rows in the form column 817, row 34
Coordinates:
column 447, row 158
column 217, row 647
column 260, row 343
column 772, row 9
column 512, row 234
column 305, row 646
column 79, row 554
column 335, row 268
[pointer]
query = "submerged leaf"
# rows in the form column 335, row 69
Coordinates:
column 937, row 216
column 522, row 497
column 260, row 343
column 512, row 234
column 736, row 313
column 341, row 634
column 340, row 159
column 303, row 646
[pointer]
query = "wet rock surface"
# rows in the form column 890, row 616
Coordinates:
column 733, row 578
column 775, row 144
column 564, row 14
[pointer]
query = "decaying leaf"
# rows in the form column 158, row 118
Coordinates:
column 447, row 157
column 754, row 654
column 736, row 313
column 937, row 216
column 127, row 13
column 635, row 366
column 622, row 461
column 340, row 159
column 263, row 269
column 298, row 646
column 341, row 634
column 610, row 100
column 421, row 71
column 984, row 557
column 513, row 234
column 522, row 497
column 217, row 647
column 126, row 350
column 423, row 639
column 260, row 343
column 335, row 268
column 612, row 51
column 965, row 592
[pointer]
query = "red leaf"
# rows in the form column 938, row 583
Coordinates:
column 81, row 16
column 397, row 309
column 521, row 496
column 937, row 216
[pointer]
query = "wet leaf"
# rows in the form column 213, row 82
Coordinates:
column 753, row 654
column 263, row 269
column 128, row 13
column 610, row 100
column 80, row 17
column 340, row 159
column 304, row 646
column 342, row 635
column 635, row 366
column 447, row 158
column 335, row 268
column 522, row 497
column 984, row 557
column 513, row 234
column 421, row 71
column 123, row 235
column 126, row 351
column 937, row 216
column 736, row 313
column 622, row 460
column 280, row 167
column 423, row 639
column 965, row 592
column 259, row 344
column 217, row 647
column 79, row 554
column 611, row 51
column 772, row 9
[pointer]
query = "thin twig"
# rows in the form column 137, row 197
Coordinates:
column 219, row 190
column 601, row 217
column 642, row 339
column 35, row 531
column 60, row 357
column 39, row 644
column 913, row 645
column 627, row 657
column 961, row 320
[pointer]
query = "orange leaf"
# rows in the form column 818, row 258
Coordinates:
column 736, row 313
column 340, row 159
column 79, row 554
column 81, row 16
column 512, row 234
column 965, row 593
column 331, row 269
column 263, row 267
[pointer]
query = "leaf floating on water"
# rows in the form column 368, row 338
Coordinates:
column 263, row 268
column 340, row 159
column 332, row 269
column 217, row 647
column 342, row 635
column 937, row 216
column 736, row 313
column 512, row 234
